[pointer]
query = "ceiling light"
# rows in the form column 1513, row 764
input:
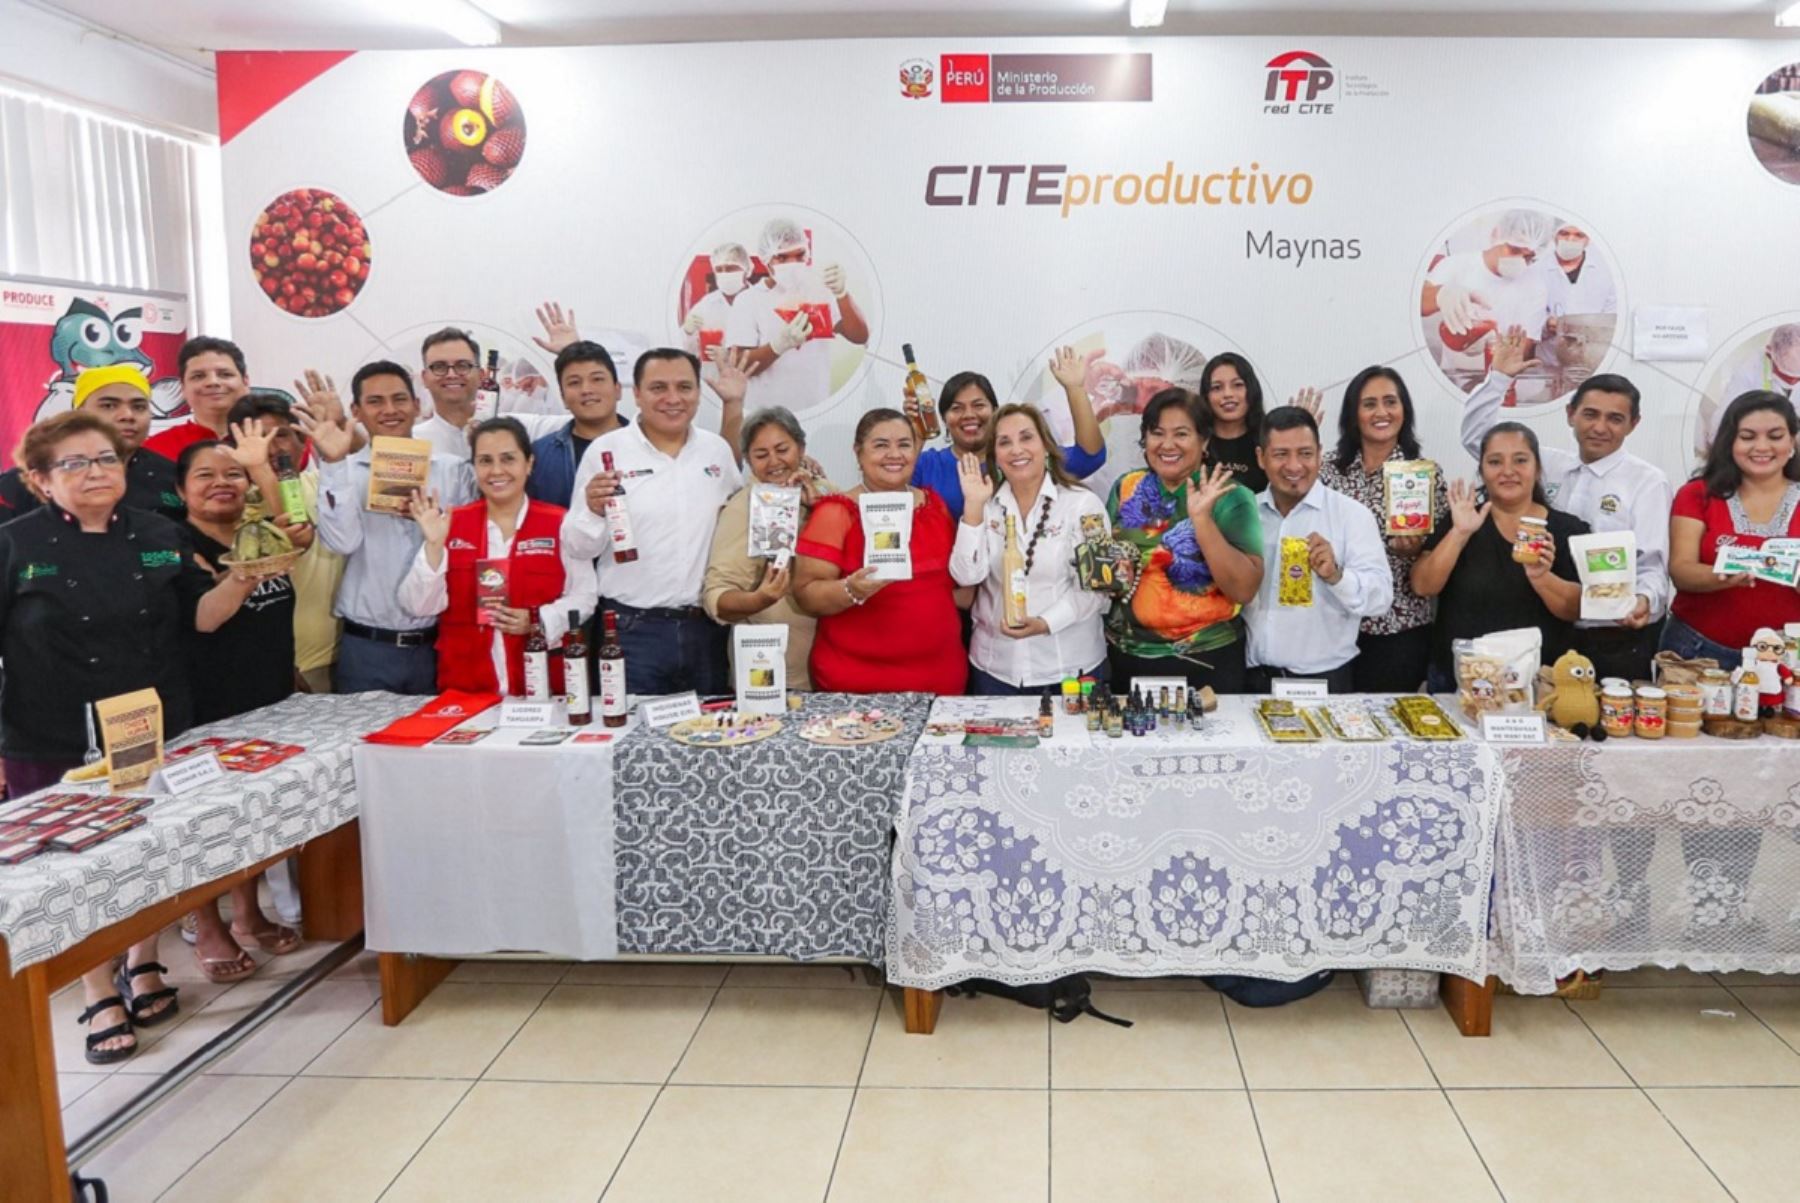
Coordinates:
column 1148, row 14
column 1789, row 16
column 461, row 20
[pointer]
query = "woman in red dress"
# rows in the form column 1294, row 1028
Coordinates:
column 877, row 636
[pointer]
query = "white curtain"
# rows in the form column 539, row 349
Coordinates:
column 90, row 199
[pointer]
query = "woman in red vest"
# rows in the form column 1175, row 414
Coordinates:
column 513, row 541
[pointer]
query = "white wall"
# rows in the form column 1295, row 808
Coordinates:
column 65, row 58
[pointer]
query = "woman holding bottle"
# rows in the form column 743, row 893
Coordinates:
column 517, row 544
column 1034, row 624
column 1747, row 492
column 1199, row 544
column 1485, row 576
column 1376, row 427
column 876, row 634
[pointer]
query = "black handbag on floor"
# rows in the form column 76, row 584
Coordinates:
column 1067, row 998
column 1263, row 992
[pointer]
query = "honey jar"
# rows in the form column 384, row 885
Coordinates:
column 1652, row 712
column 1616, row 709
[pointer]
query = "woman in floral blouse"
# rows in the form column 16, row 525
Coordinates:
column 1374, row 427
column 1199, row 545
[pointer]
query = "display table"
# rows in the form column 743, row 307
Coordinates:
column 1188, row 852
column 774, row 848
column 63, row 913
column 1679, row 853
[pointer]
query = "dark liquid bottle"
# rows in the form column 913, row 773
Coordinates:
column 618, row 519
column 612, row 673
column 537, row 661
column 487, row 393
column 575, row 673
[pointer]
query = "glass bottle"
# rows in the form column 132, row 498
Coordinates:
column 575, row 673
column 612, row 673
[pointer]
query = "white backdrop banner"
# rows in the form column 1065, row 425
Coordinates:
column 1318, row 206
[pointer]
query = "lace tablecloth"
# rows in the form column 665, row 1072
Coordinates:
column 55, row 900
column 778, row 847
column 1632, row 852
column 1191, row 852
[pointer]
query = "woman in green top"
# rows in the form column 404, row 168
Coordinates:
column 1199, row 546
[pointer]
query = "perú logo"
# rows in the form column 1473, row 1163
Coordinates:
column 915, row 79
column 1296, row 81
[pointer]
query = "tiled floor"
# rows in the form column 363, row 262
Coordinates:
column 670, row 1083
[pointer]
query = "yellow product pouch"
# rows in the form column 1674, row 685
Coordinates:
column 1296, row 587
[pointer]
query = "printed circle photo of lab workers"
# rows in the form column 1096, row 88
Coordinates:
column 1524, row 267
column 790, row 290
column 1773, row 123
column 1766, row 356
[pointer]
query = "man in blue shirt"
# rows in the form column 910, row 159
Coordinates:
column 967, row 406
column 590, row 391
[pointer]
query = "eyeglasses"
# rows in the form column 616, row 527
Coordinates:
column 461, row 367
column 74, row 465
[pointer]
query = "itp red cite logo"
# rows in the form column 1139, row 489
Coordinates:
column 1296, row 81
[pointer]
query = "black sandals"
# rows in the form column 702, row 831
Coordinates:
column 140, row 1003
column 107, row 1056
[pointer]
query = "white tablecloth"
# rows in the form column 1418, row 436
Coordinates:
column 1208, row 852
column 489, row 847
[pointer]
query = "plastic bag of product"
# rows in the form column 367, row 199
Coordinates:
column 1497, row 673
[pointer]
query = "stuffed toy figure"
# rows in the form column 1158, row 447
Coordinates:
column 1573, row 702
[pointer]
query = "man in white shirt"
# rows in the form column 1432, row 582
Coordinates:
column 1477, row 294
column 452, row 372
column 1345, row 557
column 789, row 328
column 674, row 479
column 382, row 646
column 1604, row 485
column 1577, row 282
column 706, row 321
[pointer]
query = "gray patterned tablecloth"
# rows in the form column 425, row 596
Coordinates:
column 778, row 847
column 54, row 901
column 1191, row 853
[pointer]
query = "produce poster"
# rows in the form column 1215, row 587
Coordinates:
column 50, row 331
column 1316, row 204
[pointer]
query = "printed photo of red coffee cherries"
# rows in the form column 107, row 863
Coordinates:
column 309, row 252
column 465, row 133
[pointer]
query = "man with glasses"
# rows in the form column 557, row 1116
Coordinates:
column 452, row 360
column 119, row 394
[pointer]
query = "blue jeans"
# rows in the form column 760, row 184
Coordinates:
column 665, row 653
column 989, row 686
column 364, row 664
column 1689, row 644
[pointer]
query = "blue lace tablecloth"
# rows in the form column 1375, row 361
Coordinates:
column 778, row 847
column 1190, row 853
column 53, row 901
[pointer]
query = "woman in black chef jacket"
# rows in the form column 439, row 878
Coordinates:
column 94, row 598
column 246, row 664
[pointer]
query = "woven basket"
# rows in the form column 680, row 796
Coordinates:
column 264, row 568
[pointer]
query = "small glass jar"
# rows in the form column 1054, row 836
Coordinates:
column 1616, row 710
column 1715, row 693
column 1531, row 540
column 1652, row 712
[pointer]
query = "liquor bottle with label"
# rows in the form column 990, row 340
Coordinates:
column 618, row 519
column 292, row 499
column 487, row 393
column 575, row 673
column 537, row 661
column 919, row 389
column 612, row 673
column 1012, row 571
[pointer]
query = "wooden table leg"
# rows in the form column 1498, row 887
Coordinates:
column 922, row 1010
column 32, row 1161
column 1471, row 1005
column 406, row 980
column 331, row 883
